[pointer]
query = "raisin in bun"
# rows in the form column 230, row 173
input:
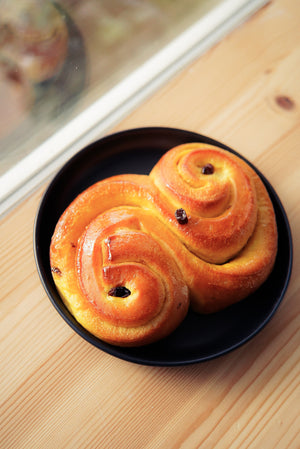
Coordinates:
column 118, row 280
column 229, row 240
column 132, row 252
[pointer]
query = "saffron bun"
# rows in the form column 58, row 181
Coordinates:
column 229, row 243
column 132, row 253
column 120, row 283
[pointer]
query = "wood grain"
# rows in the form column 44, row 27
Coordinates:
column 59, row 391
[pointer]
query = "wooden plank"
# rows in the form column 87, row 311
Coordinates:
column 59, row 391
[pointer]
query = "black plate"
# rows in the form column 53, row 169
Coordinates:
column 199, row 337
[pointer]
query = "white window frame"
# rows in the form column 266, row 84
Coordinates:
column 34, row 169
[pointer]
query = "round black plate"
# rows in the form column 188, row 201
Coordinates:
column 199, row 337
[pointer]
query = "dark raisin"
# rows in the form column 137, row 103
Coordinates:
column 181, row 217
column 56, row 270
column 208, row 169
column 119, row 292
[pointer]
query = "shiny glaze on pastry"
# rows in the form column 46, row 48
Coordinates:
column 132, row 252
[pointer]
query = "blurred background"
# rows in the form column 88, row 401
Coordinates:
column 57, row 59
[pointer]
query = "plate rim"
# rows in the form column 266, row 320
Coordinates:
column 122, row 352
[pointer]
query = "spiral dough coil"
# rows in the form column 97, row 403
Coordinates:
column 133, row 252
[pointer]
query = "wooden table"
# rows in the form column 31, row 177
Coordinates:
column 58, row 391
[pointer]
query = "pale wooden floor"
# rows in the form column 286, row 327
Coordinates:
column 59, row 391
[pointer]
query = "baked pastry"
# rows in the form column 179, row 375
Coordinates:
column 120, row 283
column 229, row 242
column 132, row 252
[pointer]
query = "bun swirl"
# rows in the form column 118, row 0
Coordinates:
column 120, row 283
column 132, row 251
column 221, row 205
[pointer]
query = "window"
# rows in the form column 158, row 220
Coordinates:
column 70, row 70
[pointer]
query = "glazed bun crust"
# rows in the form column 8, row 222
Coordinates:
column 128, row 266
column 221, row 205
column 100, row 246
column 230, row 240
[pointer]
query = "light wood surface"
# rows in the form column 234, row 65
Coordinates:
column 58, row 391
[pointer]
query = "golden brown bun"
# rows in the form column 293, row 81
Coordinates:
column 123, row 232
column 97, row 248
column 221, row 206
column 229, row 244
